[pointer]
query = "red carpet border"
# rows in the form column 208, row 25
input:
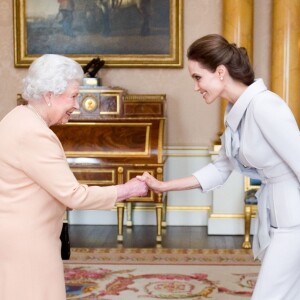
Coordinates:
column 164, row 256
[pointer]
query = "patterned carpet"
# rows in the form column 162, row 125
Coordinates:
column 158, row 273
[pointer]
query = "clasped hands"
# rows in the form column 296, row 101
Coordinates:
column 151, row 182
column 138, row 186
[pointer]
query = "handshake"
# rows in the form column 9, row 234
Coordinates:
column 138, row 186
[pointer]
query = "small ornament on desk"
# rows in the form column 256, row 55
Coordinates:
column 90, row 71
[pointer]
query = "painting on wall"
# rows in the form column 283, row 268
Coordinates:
column 124, row 33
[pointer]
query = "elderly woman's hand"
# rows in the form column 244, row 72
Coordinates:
column 132, row 188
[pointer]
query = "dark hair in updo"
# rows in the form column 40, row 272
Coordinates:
column 214, row 50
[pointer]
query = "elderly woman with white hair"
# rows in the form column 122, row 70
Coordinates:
column 37, row 185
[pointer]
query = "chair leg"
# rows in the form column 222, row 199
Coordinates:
column 120, row 210
column 165, row 205
column 248, row 212
column 159, row 214
column 129, row 214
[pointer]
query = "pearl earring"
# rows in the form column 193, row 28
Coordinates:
column 49, row 104
column 221, row 78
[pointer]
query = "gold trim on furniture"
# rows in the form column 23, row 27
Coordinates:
column 112, row 173
column 117, row 96
column 146, row 97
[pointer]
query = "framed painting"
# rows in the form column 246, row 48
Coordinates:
column 123, row 33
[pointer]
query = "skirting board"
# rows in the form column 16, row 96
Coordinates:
column 139, row 217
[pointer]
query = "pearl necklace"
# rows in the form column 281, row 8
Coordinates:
column 36, row 113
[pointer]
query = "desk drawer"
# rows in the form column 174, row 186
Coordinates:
column 96, row 176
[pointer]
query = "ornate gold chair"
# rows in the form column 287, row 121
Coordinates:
column 251, row 187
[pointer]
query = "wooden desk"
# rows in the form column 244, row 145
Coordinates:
column 114, row 137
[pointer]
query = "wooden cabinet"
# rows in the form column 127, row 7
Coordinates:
column 114, row 137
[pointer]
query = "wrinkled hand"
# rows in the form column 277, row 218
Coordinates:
column 137, row 187
column 153, row 184
column 132, row 188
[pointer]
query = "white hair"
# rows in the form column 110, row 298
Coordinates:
column 50, row 73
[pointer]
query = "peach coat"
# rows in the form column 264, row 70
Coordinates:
column 36, row 186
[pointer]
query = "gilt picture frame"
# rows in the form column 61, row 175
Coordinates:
column 123, row 33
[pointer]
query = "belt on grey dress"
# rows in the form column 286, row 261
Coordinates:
column 262, row 239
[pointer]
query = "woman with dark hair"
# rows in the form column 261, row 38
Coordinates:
column 261, row 140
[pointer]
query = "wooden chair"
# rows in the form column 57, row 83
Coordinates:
column 251, row 187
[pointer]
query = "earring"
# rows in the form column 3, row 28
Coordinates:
column 221, row 78
column 49, row 104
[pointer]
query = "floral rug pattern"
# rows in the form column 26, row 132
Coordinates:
column 129, row 274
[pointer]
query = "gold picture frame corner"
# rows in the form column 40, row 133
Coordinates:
column 23, row 57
